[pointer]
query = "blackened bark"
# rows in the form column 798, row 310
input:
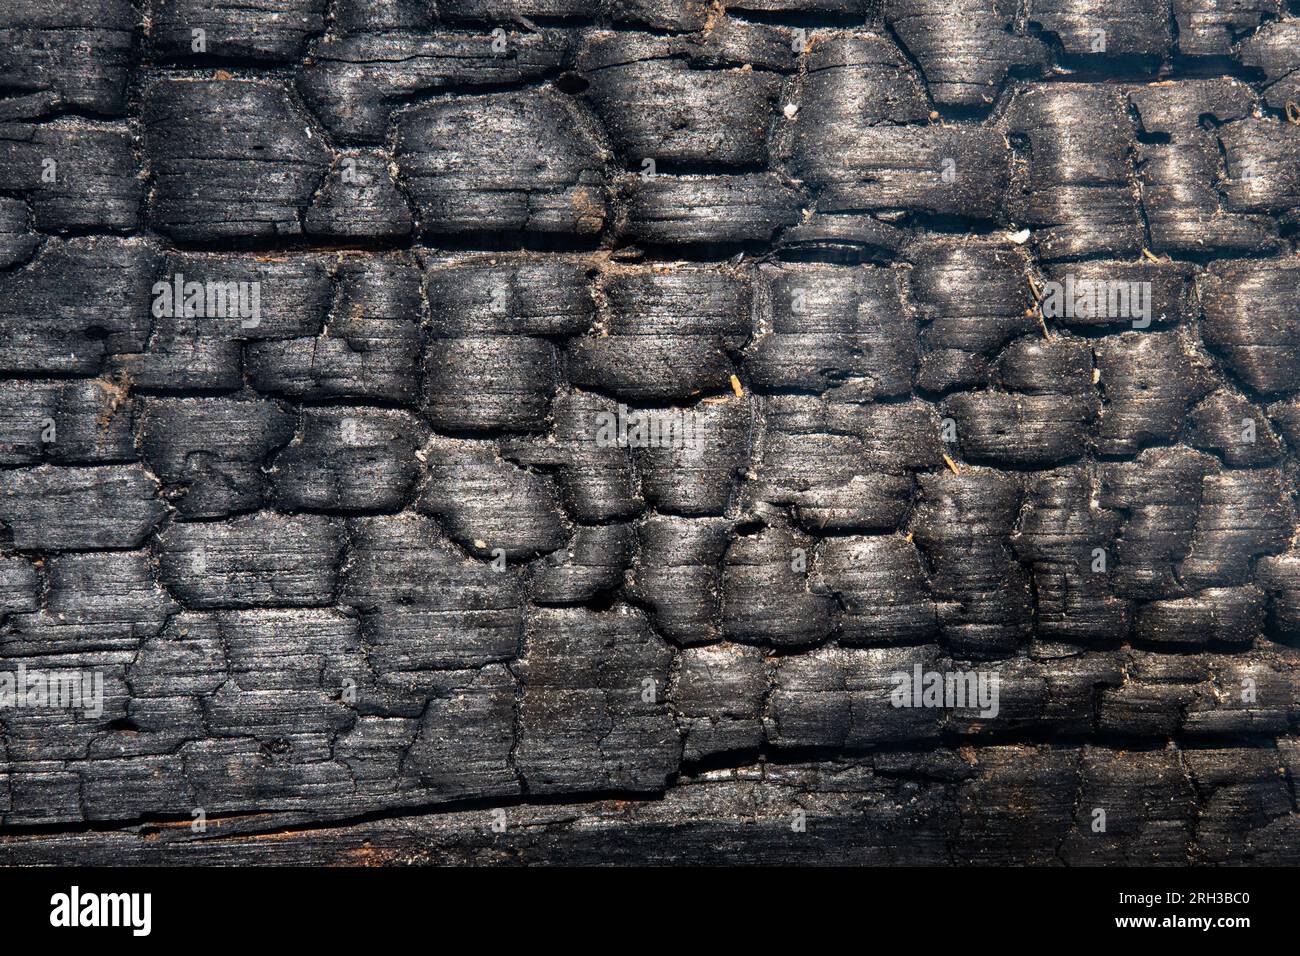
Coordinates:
column 371, row 558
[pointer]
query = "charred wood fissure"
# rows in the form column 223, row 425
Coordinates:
column 649, row 431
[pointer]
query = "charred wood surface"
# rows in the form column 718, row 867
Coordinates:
column 542, row 431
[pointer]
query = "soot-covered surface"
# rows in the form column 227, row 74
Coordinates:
column 587, row 411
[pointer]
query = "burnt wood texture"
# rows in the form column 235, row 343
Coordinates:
column 544, row 431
